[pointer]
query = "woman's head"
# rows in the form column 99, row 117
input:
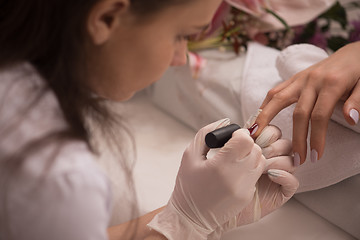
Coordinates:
column 121, row 46
column 130, row 51
column 112, row 47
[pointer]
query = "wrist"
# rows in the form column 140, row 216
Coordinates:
column 175, row 225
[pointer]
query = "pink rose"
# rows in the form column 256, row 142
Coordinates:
column 219, row 17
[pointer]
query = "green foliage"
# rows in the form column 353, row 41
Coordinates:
column 336, row 13
column 336, row 42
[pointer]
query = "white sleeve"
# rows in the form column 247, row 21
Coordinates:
column 68, row 200
column 72, row 205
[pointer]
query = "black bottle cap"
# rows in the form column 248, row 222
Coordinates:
column 218, row 137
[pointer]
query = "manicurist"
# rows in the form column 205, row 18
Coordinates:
column 61, row 61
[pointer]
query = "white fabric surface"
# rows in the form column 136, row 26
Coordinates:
column 339, row 204
column 212, row 96
column 73, row 201
column 341, row 158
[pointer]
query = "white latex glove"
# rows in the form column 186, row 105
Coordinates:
column 275, row 187
column 278, row 185
column 210, row 191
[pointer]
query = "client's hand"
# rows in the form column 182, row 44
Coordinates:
column 211, row 191
column 274, row 188
column 316, row 91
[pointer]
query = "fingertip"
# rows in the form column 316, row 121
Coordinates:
column 258, row 127
column 262, row 121
column 275, row 173
column 242, row 132
column 253, row 130
column 288, row 181
column 240, row 137
column 246, row 131
column 354, row 115
column 268, row 136
column 222, row 123
column 317, row 146
column 238, row 146
column 351, row 107
column 284, row 163
column 351, row 114
column 299, row 150
column 297, row 160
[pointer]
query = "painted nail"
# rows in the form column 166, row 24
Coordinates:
column 296, row 160
column 354, row 114
column 253, row 129
column 274, row 173
column 314, row 156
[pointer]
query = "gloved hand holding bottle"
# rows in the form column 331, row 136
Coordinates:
column 211, row 191
column 274, row 188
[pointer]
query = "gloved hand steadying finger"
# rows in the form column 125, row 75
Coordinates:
column 275, row 149
column 277, row 185
column 211, row 191
column 274, row 188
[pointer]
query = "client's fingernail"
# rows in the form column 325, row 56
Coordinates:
column 296, row 160
column 354, row 114
column 314, row 156
column 275, row 173
column 253, row 129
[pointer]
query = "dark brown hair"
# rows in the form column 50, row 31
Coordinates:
column 51, row 35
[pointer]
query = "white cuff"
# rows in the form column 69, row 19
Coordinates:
column 174, row 225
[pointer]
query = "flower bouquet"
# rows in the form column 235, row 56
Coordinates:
column 324, row 23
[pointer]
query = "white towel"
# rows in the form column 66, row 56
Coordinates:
column 341, row 158
column 212, row 96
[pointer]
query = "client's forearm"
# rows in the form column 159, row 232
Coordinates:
column 126, row 230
